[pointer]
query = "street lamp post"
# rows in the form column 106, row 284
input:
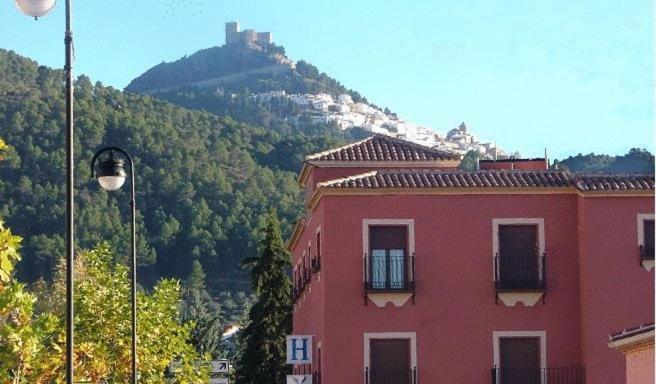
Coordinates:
column 36, row 9
column 111, row 175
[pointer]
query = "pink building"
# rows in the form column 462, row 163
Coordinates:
column 408, row 271
column 637, row 345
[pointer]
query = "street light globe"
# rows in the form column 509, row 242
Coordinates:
column 35, row 8
column 111, row 183
column 111, row 173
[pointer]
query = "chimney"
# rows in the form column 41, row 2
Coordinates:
column 512, row 163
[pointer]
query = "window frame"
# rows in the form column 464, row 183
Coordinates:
column 411, row 336
column 647, row 264
column 538, row 221
column 410, row 227
column 498, row 335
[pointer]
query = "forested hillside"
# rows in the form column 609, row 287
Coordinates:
column 203, row 182
column 635, row 161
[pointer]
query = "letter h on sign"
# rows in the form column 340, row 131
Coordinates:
column 299, row 349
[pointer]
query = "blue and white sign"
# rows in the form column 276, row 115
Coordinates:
column 299, row 379
column 299, row 349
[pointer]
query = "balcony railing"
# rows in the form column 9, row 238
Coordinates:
column 390, row 376
column 316, row 265
column 646, row 253
column 553, row 375
column 389, row 273
column 522, row 277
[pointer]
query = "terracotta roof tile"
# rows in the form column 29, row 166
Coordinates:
column 493, row 179
column 614, row 182
column 383, row 148
column 626, row 333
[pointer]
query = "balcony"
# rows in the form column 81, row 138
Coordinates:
column 389, row 273
column 521, row 281
column 647, row 256
column 389, row 278
column 390, row 376
column 554, row 375
column 316, row 265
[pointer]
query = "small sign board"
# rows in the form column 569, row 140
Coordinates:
column 299, row 379
column 219, row 380
column 299, row 349
column 220, row 366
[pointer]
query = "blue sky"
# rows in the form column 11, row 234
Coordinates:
column 571, row 76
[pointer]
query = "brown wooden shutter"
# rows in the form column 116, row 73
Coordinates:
column 649, row 237
column 390, row 361
column 518, row 252
column 520, row 360
column 388, row 237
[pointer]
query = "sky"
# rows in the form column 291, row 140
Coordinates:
column 569, row 76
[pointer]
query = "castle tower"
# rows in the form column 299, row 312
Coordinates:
column 232, row 32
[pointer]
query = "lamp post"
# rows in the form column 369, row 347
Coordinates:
column 111, row 176
column 36, row 9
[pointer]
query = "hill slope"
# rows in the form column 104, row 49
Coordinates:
column 203, row 182
column 239, row 69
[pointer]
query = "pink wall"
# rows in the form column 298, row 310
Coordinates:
column 640, row 367
column 309, row 310
column 615, row 289
column 455, row 312
column 594, row 284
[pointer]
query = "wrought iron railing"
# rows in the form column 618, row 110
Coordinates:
column 552, row 375
column 316, row 265
column 389, row 273
column 646, row 252
column 390, row 376
column 529, row 277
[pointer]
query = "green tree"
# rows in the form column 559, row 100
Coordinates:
column 199, row 309
column 470, row 161
column 262, row 358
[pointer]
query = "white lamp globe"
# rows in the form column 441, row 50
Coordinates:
column 111, row 183
column 111, row 174
column 35, row 8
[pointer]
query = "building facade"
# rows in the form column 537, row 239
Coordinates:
column 234, row 35
column 407, row 270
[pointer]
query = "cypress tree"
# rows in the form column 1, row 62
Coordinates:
column 206, row 315
column 262, row 358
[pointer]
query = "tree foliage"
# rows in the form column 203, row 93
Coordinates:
column 202, row 181
column 262, row 359
column 32, row 345
column 635, row 161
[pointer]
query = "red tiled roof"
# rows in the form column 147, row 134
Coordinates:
column 614, row 182
column 383, row 148
column 629, row 332
column 492, row 179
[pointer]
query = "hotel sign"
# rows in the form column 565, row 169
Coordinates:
column 299, row 350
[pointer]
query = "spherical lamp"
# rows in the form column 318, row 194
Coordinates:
column 111, row 173
column 35, row 8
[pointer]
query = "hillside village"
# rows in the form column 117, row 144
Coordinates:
column 324, row 108
column 342, row 110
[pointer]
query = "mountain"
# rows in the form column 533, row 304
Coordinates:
column 203, row 181
column 238, row 69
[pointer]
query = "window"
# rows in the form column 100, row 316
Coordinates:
column 388, row 260
column 518, row 258
column 390, row 357
column 390, row 361
column 317, row 261
column 648, row 242
column 520, row 358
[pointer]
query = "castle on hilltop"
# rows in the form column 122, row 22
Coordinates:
column 248, row 36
